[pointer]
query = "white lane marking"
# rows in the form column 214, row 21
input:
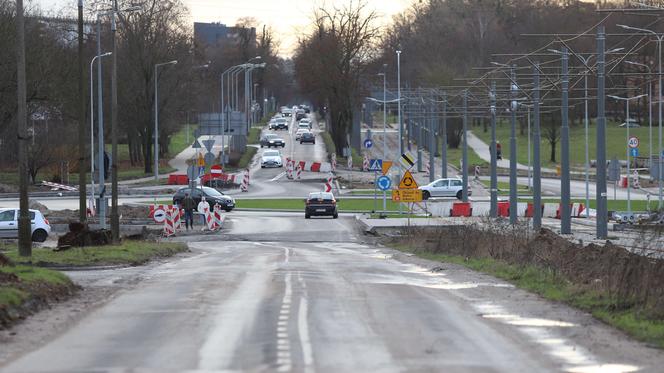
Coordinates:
column 303, row 327
column 278, row 176
column 234, row 318
column 284, row 361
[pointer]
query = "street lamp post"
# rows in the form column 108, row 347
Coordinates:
column 659, row 96
column 92, row 131
column 399, row 114
column 627, row 100
column 156, row 115
column 384, row 74
column 226, row 110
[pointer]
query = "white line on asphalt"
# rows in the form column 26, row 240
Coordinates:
column 303, row 327
column 284, row 362
column 278, row 176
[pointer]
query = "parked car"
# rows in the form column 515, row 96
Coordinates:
column 212, row 196
column 299, row 132
column 321, row 204
column 308, row 137
column 40, row 227
column 281, row 124
column 271, row 140
column 450, row 187
column 271, row 158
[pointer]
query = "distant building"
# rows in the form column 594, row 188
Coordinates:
column 218, row 34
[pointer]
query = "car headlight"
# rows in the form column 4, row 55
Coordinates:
column 271, row 141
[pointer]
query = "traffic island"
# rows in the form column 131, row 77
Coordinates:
column 622, row 287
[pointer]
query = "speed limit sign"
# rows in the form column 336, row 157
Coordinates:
column 633, row 142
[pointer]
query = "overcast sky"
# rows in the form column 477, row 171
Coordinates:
column 289, row 18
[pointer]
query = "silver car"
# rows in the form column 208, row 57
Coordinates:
column 9, row 225
column 271, row 158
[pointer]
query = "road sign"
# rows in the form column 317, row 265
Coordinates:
column 208, row 144
column 376, row 165
column 633, row 142
column 407, row 195
column 368, row 143
column 201, row 170
column 216, row 170
column 408, row 181
column 634, row 152
column 407, row 160
column 386, row 167
column 384, row 183
column 196, row 145
column 159, row 215
column 201, row 160
column 192, row 172
column 210, row 158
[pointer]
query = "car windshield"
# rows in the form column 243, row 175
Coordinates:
column 271, row 153
column 307, row 134
column 212, row 192
column 270, row 136
column 303, row 125
column 327, row 197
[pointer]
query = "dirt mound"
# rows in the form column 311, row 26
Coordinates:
column 80, row 235
column 35, row 205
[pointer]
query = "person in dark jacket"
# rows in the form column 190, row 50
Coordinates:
column 189, row 206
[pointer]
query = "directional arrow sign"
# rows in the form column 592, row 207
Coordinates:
column 376, row 165
column 208, row 144
column 368, row 143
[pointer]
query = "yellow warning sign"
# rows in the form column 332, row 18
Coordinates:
column 408, row 181
column 407, row 195
column 386, row 167
column 201, row 160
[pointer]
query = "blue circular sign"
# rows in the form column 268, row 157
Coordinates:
column 368, row 143
column 384, row 183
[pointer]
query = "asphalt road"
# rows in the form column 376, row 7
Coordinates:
column 310, row 296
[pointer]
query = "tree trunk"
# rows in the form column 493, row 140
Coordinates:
column 553, row 150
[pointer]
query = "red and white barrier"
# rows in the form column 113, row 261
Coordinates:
column 218, row 218
column 578, row 210
column 349, row 163
column 171, row 221
column 551, row 210
column 289, row 168
column 327, row 187
column 298, row 171
column 365, row 163
column 245, row 182
column 91, row 208
column 56, row 186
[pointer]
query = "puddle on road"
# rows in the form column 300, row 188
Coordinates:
column 543, row 331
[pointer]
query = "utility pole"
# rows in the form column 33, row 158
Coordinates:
column 115, row 218
column 24, row 234
column 601, row 228
column 464, row 149
column 101, row 169
column 537, row 169
column 82, row 211
column 443, row 153
column 432, row 142
column 493, row 212
column 565, row 211
column 513, row 184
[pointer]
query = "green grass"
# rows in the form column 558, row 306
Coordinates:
column 454, row 157
column 329, row 144
column 128, row 253
column 11, row 295
column 178, row 141
column 298, row 204
column 254, row 135
column 554, row 287
column 246, row 158
column 616, row 142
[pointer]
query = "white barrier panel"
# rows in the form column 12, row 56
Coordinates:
column 550, row 210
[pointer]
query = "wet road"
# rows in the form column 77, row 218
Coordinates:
column 276, row 292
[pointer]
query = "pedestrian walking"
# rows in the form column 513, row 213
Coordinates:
column 499, row 151
column 188, row 205
column 203, row 206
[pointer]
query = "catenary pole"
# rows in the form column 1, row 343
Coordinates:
column 513, row 160
column 537, row 170
column 464, row 149
column 565, row 213
column 82, row 194
column 24, row 238
column 494, row 162
column 600, row 192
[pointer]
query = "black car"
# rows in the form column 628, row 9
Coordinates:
column 321, row 204
column 271, row 140
column 281, row 124
column 308, row 137
column 212, row 196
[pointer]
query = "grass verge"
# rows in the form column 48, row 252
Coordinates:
column 254, row 135
column 26, row 289
column 344, row 205
column 127, row 253
column 554, row 286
